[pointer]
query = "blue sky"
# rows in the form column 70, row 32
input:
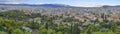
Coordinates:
column 85, row 3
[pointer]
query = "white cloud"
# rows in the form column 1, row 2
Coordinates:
column 11, row 1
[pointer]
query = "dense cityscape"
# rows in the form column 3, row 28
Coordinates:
column 66, row 20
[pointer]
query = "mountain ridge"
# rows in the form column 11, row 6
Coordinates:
column 43, row 5
column 52, row 5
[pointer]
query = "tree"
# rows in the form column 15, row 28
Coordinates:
column 17, row 31
column 109, row 32
column 50, row 31
column 42, row 31
column 2, row 32
column 59, row 32
column 27, row 32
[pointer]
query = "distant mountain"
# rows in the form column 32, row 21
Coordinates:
column 42, row 5
column 57, row 5
column 105, row 6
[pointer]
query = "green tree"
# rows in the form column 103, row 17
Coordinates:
column 17, row 31
column 2, row 32
column 50, row 31
column 42, row 31
column 109, row 32
column 27, row 32
column 59, row 32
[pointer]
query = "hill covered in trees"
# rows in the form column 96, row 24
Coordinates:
column 20, row 22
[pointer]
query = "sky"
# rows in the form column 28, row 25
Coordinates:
column 84, row 3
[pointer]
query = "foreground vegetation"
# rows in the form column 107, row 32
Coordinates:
column 19, row 22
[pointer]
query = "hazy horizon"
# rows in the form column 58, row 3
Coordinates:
column 83, row 3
